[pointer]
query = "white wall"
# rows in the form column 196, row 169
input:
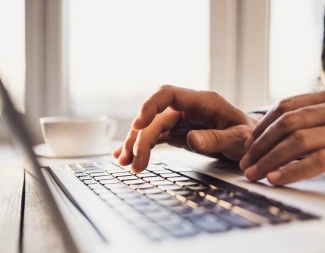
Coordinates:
column 296, row 33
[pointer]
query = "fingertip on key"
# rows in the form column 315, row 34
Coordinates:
column 274, row 177
column 251, row 173
column 245, row 162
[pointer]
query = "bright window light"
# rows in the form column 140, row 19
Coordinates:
column 295, row 46
column 122, row 50
column 12, row 48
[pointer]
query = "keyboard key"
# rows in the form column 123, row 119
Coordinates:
column 127, row 178
column 170, row 175
column 179, row 230
column 146, row 175
column 138, row 202
column 119, row 190
column 149, row 191
column 109, row 181
column 146, row 209
column 97, row 174
column 127, row 195
column 161, row 171
column 158, row 196
column 80, row 174
column 141, row 186
column 95, row 186
column 178, row 168
column 180, row 192
column 133, row 182
column 114, row 186
column 152, row 179
column 168, row 202
column 211, row 225
column 187, row 183
column 88, row 182
column 121, row 174
column 106, row 177
column 180, row 208
column 156, row 183
column 114, row 170
column 198, row 188
column 236, row 220
column 85, row 178
column 100, row 190
column 170, row 187
column 178, row 179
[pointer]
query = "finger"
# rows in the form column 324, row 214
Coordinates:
column 202, row 105
column 148, row 137
column 116, row 153
column 230, row 141
column 173, row 140
column 312, row 116
column 126, row 155
column 284, row 106
column 297, row 144
column 309, row 167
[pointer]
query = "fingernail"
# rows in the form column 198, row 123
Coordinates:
column 245, row 162
column 200, row 141
column 251, row 173
column 249, row 142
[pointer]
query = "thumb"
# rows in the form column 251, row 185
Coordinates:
column 230, row 141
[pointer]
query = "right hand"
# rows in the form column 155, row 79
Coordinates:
column 199, row 121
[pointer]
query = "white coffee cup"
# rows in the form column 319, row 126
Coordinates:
column 68, row 136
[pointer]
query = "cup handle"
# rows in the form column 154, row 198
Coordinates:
column 111, row 129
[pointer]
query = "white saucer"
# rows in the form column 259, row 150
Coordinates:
column 43, row 150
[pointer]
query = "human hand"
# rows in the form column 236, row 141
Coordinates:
column 292, row 130
column 199, row 121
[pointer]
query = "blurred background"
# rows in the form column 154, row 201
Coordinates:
column 91, row 57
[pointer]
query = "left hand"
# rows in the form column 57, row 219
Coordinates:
column 292, row 130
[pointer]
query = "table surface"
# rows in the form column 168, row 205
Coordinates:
column 23, row 216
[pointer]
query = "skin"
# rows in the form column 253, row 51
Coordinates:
column 198, row 121
column 288, row 144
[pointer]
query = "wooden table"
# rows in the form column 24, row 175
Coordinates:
column 25, row 223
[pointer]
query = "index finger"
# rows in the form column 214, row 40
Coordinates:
column 179, row 99
column 284, row 106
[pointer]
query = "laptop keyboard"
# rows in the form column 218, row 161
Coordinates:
column 168, row 200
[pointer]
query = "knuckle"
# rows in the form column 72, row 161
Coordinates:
column 287, row 121
column 319, row 157
column 299, row 137
column 284, row 106
column 257, row 147
column 166, row 87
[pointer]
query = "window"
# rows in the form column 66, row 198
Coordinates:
column 296, row 36
column 121, row 51
column 12, row 48
column 86, row 57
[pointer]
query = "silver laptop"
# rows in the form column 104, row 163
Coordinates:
column 183, row 202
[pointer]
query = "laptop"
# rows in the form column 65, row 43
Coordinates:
column 182, row 202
